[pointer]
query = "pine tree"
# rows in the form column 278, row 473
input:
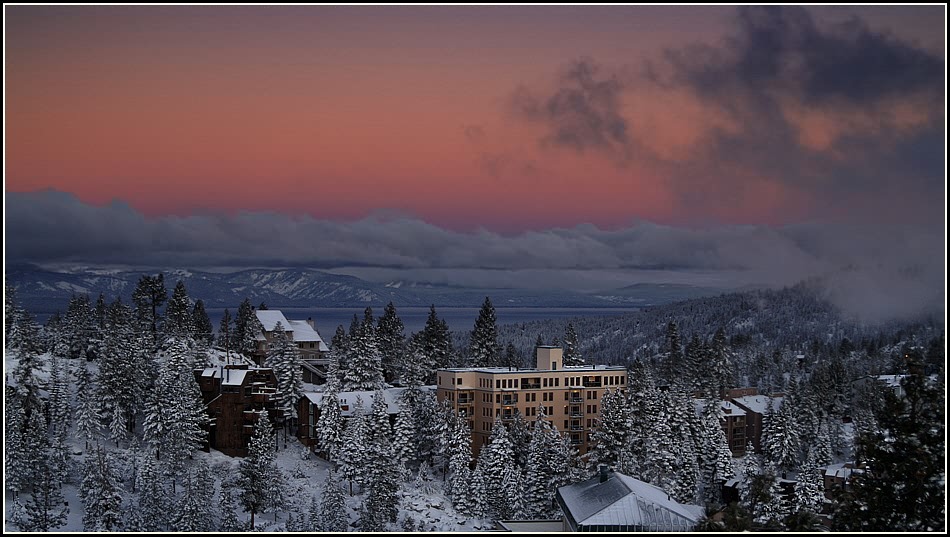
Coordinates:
column 151, row 501
column 809, row 489
column 178, row 314
column 46, row 509
column 614, row 427
column 225, row 333
column 903, row 485
column 572, row 353
column 404, row 437
column 483, row 347
column 149, row 295
column 542, row 469
column 364, row 371
column 175, row 419
column 460, row 458
column 194, row 513
column 226, row 507
column 100, row 494
column 284, row 358
column 260, row 480
column 246, row 329
column 352, row 454
column 496, row 465
column 336, row 360
column 782, row 440
column 79, row 328
column 723, row 369
column 333, row 517
column 330, row 425
column 675, row 369
column 392, row 343
column 437, row 342
column 25, row 431
column 203, row 329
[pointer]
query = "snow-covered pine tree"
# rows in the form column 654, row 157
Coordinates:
column 46, row 510
column 260, row 480
column 148, row 296
column 437, row 342
column 496, row 463
column 483, row 345
column 100, row 493
column 24, row 423
column 674, row 364
column 364, row 370
column 151, row 503
column 352, row 454
column 284, row 358
column 336, row 359
column 404, row 437
column 572, row 353
column 226, row 333
column 392, row 343
column 809, row 488
column 723, row 368
column 194, row 513
column 175, row 419
column 612, row 431
column 333, row 517
column 79, row 327
column 459, row 453
column 382, row 481
column 88, row 415
column 178, row 319
column 245, row 329
column 330, row 424
column 228, row 520
column 539, row 473
column 203, row 329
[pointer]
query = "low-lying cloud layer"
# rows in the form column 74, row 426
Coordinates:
column 880, row 269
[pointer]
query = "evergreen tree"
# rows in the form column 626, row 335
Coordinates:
column 364, row 370
column 336, row 359
column 572, row 353
column 225, row 333
column 723, row 369
column 460, row 458
column 782, row 440
column 809, row 489
column 80, row 327
column 260, row 480
column 151, row 502
column 614, row 426
column 203, row 329
column 46, row 509
column 88, row 415
column 25, row 431
column 333, row 517
column 148, row 296
column 512, row 356
column 330, row 425
column 392, row 343
column 100, row 494
column 284, row 358
column 352, row 455
column 484, row 341
column 178, row 314
column 194, row 513
column 437, row 342
column 246, row 329
column 404, row 437
column 903, row 485
column 226, row 507
column 495, row 467
column 675, row 366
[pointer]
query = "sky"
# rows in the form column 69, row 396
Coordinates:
column 383, row 139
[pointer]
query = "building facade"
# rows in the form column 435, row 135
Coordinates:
column 304, row 334
column 235, row 397
column 570, row 395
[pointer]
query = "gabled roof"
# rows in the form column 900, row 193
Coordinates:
column 304, row 332
column 390, row 395
column 269, row 319
column 624, row 501
column 759, row 403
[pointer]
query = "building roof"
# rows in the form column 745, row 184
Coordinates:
column 759, row 403
column 522, row 371
column 728, row 408
column 624, row 501
column 304, row 332
column 348, row 399
column 270, row 318
column 229, row 377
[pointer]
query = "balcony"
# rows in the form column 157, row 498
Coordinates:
column 509, row 401
column 576, row 427
column 576, row 399
column 507, row 416
column 592, row 383
column 466, row 400
column 576, row 441
column 576, row 414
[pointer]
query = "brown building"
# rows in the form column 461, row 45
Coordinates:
column 755, row 408
column 570, row 395
column 236, row 396
column 310, row 344
column 734, row 424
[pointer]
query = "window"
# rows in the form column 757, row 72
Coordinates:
column 458, row 381
column 498, row 384
column 545, row 382
column 557, row 382
column 553, row 366
column 566, row 396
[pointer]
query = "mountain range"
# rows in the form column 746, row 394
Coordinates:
column 42, row 290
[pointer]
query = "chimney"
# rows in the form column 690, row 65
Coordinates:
column 310, row 321
column 603, row 473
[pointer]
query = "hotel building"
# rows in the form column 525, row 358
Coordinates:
column 570, row 395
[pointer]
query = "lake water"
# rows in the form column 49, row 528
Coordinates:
column 327, row 319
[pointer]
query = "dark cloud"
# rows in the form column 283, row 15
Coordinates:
column 52, row 227
column 583, row 111
column 783, row 47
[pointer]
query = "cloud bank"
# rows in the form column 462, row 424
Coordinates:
column 54, row 227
